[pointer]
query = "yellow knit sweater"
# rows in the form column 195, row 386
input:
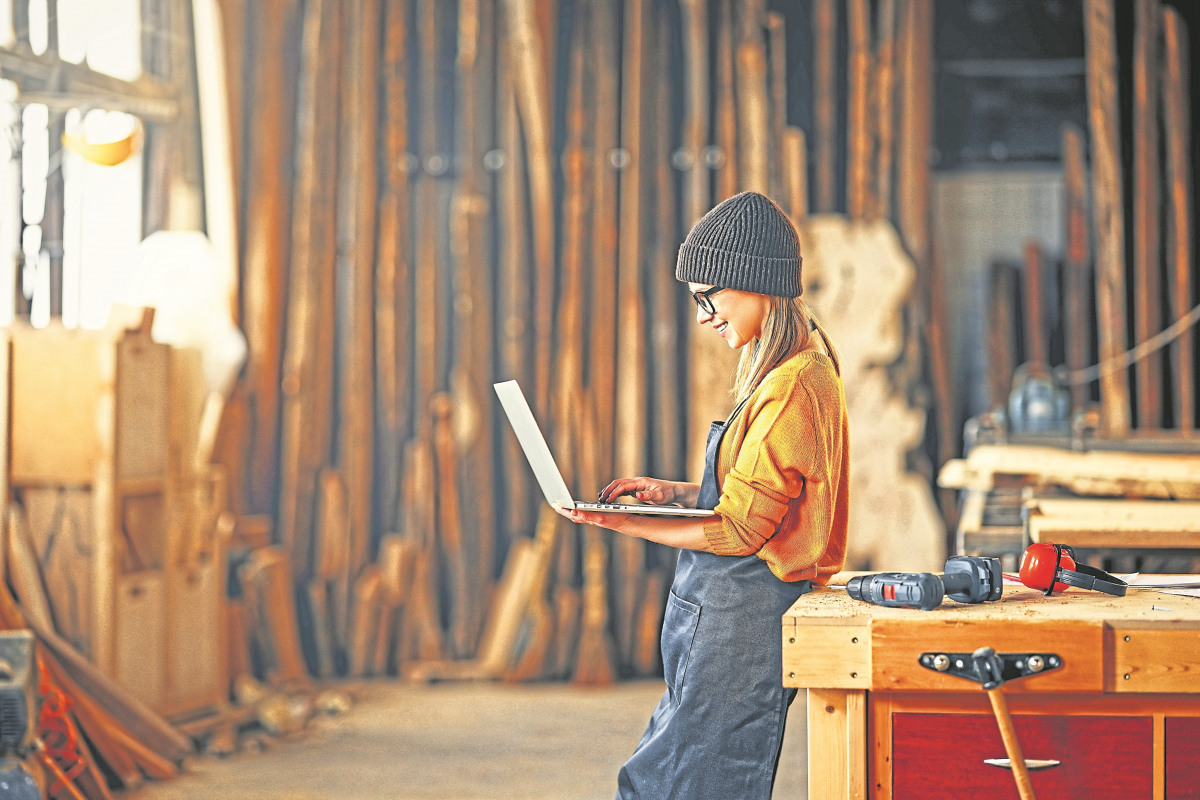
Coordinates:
column 784, row 471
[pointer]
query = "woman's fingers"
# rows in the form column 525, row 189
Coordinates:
column 646, row 489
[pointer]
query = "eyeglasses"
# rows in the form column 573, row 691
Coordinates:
column 704, row 299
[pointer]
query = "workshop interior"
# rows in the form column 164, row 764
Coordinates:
column 262, row 261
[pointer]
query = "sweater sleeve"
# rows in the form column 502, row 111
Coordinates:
column 781, row 450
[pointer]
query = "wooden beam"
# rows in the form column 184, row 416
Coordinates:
column 858, row 127
column 1147, row 310
column 1177, row 115
column 1122, row 523
column 630, row 452
column 1109, row 221
column 825, row 40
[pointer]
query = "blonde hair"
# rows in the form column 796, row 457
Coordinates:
column 786, row 331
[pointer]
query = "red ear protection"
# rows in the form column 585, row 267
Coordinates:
column 1052, row 568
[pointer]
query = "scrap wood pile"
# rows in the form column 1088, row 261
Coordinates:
column 514, row 214
column 94, row 734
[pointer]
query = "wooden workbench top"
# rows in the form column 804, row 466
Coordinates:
column 1018, row 603
column 1147, row 641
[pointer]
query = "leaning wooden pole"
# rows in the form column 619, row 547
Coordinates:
column 533, row 98
column 858, row 127
column 630, row 453
column 267, row 241
column 915, row 220
column 1104, row 129
column 305, row 413
column 825, row 40
column 1147, row 316
column 1177, row 113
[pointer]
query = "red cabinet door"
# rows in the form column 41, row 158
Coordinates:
column 1181, row 740
column 943, row 755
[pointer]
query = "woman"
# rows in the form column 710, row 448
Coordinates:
column 776, row 475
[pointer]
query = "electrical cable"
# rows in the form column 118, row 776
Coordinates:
column 1136, row 353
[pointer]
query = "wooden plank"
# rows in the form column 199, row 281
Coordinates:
column 1177, row 127
column 725, row 104
column 710, row 361
column 273, row 606
column 577, row 162
column 914, row 221
column 837, row 735
column 1146, row 475
column 795, row 167
column 393, row 273
column 1147, row 310
column 884, row 102
column 515, row 275
column 665, row 432
column 423, row 638
column 356, row 284
column 777, row 80
column 1001, row 345
column 696, row 108
column 533, row 99
column 1107, row 213
column 595, row 661
column 753, row 111
column 1076, row 263
column 825, row 41
column 474, row 295
column 858, row 123
column 631, row 429
column 536, row 630
column 601, row 347
column 306, row 396
column 364, row 620
column 463, row 600
column 1134, row 524
column 1037, row 340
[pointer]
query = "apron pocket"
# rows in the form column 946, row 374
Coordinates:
column 679, row 629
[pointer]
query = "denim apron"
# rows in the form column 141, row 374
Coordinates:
column 718, row 728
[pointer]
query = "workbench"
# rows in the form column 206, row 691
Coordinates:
column 1121, row 714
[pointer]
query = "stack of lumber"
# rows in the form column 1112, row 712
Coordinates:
column 1142, row 503
column 515, row 213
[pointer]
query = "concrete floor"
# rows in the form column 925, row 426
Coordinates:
column 456, row 742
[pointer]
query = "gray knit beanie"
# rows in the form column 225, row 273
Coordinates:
column 746, row 243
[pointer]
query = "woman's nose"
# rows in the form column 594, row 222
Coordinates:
column 702, row 316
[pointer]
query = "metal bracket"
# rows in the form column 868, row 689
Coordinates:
column 989, row 668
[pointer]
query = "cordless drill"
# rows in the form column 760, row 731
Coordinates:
column 967, row 579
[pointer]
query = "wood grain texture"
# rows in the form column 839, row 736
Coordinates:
column 1107, row 213
column 1147, row 309
column 825, row 39
column 837, row 722
column 1180, row 226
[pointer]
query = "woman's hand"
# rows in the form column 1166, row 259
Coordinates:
column 648, row 490
column 603, row 519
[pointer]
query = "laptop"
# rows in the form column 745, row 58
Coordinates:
column 533, row 443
